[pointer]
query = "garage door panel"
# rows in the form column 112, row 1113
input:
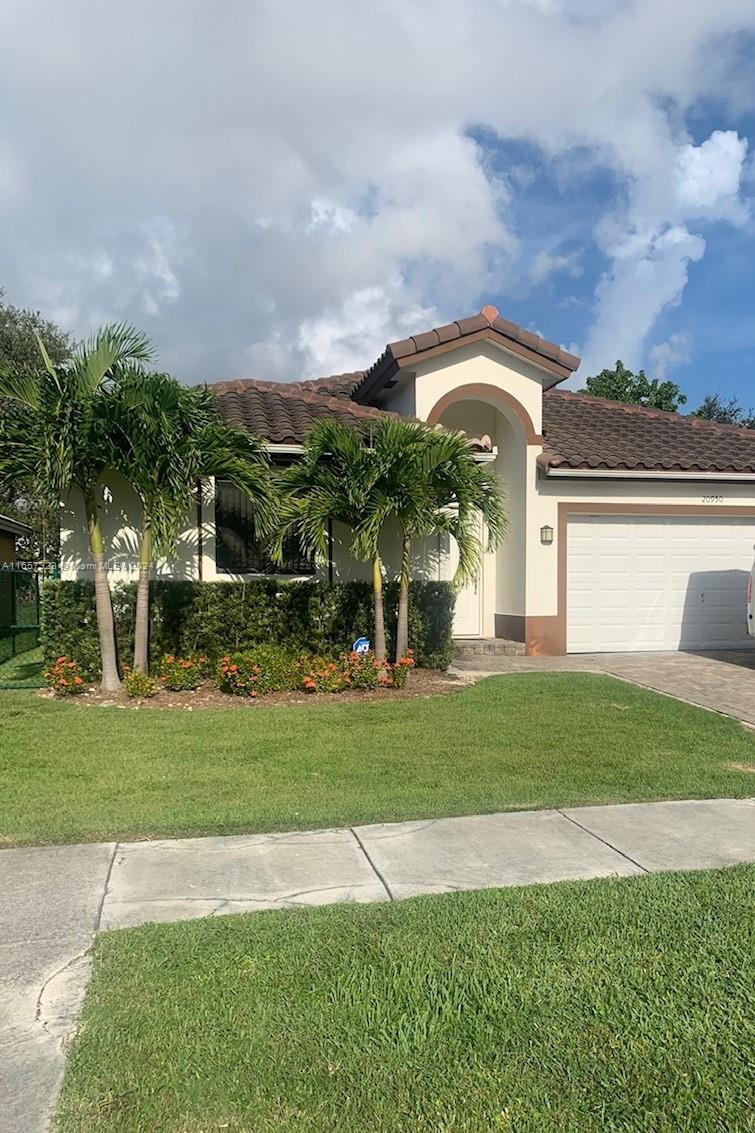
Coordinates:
column 647, row 582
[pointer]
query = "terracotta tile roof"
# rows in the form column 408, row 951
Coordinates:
column 337, row 385
column 283, row 413
column 488, row 324
column 591, row 432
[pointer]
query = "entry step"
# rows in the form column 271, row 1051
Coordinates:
column 468, row 649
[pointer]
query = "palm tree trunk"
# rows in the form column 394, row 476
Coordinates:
column 377, row 588
column 141, row 625
column 111, row 682
column 402, row 626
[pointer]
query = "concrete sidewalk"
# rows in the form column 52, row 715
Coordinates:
column 56, row 899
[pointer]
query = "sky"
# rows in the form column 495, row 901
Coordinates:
column 276, row 190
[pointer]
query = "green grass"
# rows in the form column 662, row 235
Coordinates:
column 612, row 1006
column 71, row 773
column 23, row 671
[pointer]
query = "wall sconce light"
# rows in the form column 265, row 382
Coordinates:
column 546, row 535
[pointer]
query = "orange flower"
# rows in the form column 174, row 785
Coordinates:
column 78, row 681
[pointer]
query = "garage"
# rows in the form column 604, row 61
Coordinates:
column 657, row 582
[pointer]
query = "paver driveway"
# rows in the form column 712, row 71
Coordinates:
column 723, row 681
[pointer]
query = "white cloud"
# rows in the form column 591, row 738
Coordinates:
column 710, row 175
column 665, row 356
column 546, row 264
column 649, row 273
column 280, row 196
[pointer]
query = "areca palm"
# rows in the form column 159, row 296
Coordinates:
column 335, row 481
column 167, row 438
column 431, row 484
column 56, row 436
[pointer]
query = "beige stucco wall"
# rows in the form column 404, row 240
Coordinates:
column 542, row 564
column 120, row 515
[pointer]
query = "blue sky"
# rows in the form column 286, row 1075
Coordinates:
column 281, row 197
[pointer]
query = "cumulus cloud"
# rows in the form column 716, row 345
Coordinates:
column 280, row 196
column 666, row 356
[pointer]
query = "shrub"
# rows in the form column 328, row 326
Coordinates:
column 400, row 671
column 139, row 685
column 215, row 618
column 181, row 674
column 352, row 670
column 323, row 674
column 266, row 669
column 64, row 678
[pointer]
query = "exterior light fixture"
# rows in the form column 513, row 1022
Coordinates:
column 546, row 535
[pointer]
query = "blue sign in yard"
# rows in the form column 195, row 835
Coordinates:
column 361, row 645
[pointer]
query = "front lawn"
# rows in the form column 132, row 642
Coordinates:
column 594, row 1007
column 71, row 773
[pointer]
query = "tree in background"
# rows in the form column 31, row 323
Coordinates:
column 620, row 384
column 58, row 439
column 19, row 352
column 714, row 408
column 167, row 437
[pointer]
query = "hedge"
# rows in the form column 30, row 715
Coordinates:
column 215, row 618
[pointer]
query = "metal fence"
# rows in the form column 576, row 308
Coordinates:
column 19, row 612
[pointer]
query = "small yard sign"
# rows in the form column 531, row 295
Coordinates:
column 361, row 645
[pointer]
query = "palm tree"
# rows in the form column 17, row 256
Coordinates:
column 168, row 437
column 58, row 438
column 430, row 483
column 334, row 482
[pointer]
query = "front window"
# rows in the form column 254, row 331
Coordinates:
column 236, row 549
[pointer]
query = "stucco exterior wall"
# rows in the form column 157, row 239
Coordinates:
column 120, row 513
column 542, row 565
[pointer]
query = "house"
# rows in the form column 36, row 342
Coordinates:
column 629, row 528
column 10, row 530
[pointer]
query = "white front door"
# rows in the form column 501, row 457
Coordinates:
column 657, row 582
column 468, row 612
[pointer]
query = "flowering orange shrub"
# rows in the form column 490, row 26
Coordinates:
column 356, row 670
column 139, row 685
column 179, row 674
column 400, row 671
column 264, row 669
column 64, row 678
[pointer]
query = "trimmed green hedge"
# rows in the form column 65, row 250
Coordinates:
column 215, row 618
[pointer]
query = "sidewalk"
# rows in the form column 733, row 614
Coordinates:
column 55, row 899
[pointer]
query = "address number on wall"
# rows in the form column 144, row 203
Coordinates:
column 713, row 499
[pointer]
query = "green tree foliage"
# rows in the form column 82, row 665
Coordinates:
column 621, row 384
column 19, row 352
column 58, row 439
column 166, row 437
column 714, row 408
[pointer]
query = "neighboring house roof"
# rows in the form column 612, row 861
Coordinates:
column 13, row 527
column 582, row 431
column 284, row 413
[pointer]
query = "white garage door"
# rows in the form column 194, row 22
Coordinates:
column 646, row 582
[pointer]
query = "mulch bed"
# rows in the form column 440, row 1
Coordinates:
column 421, row 683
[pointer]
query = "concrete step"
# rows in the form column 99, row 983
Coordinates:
column 474, row 649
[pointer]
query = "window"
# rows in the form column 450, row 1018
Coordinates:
column 236, row 549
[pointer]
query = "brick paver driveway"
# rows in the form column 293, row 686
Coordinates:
column 723, row 681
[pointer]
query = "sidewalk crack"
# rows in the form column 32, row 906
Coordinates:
column 598, row 838
column 371, row 863
column 98, row 918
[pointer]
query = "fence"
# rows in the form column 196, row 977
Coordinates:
column 19, row 612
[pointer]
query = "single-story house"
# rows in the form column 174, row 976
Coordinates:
column 10, row 530
column 629, row 528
